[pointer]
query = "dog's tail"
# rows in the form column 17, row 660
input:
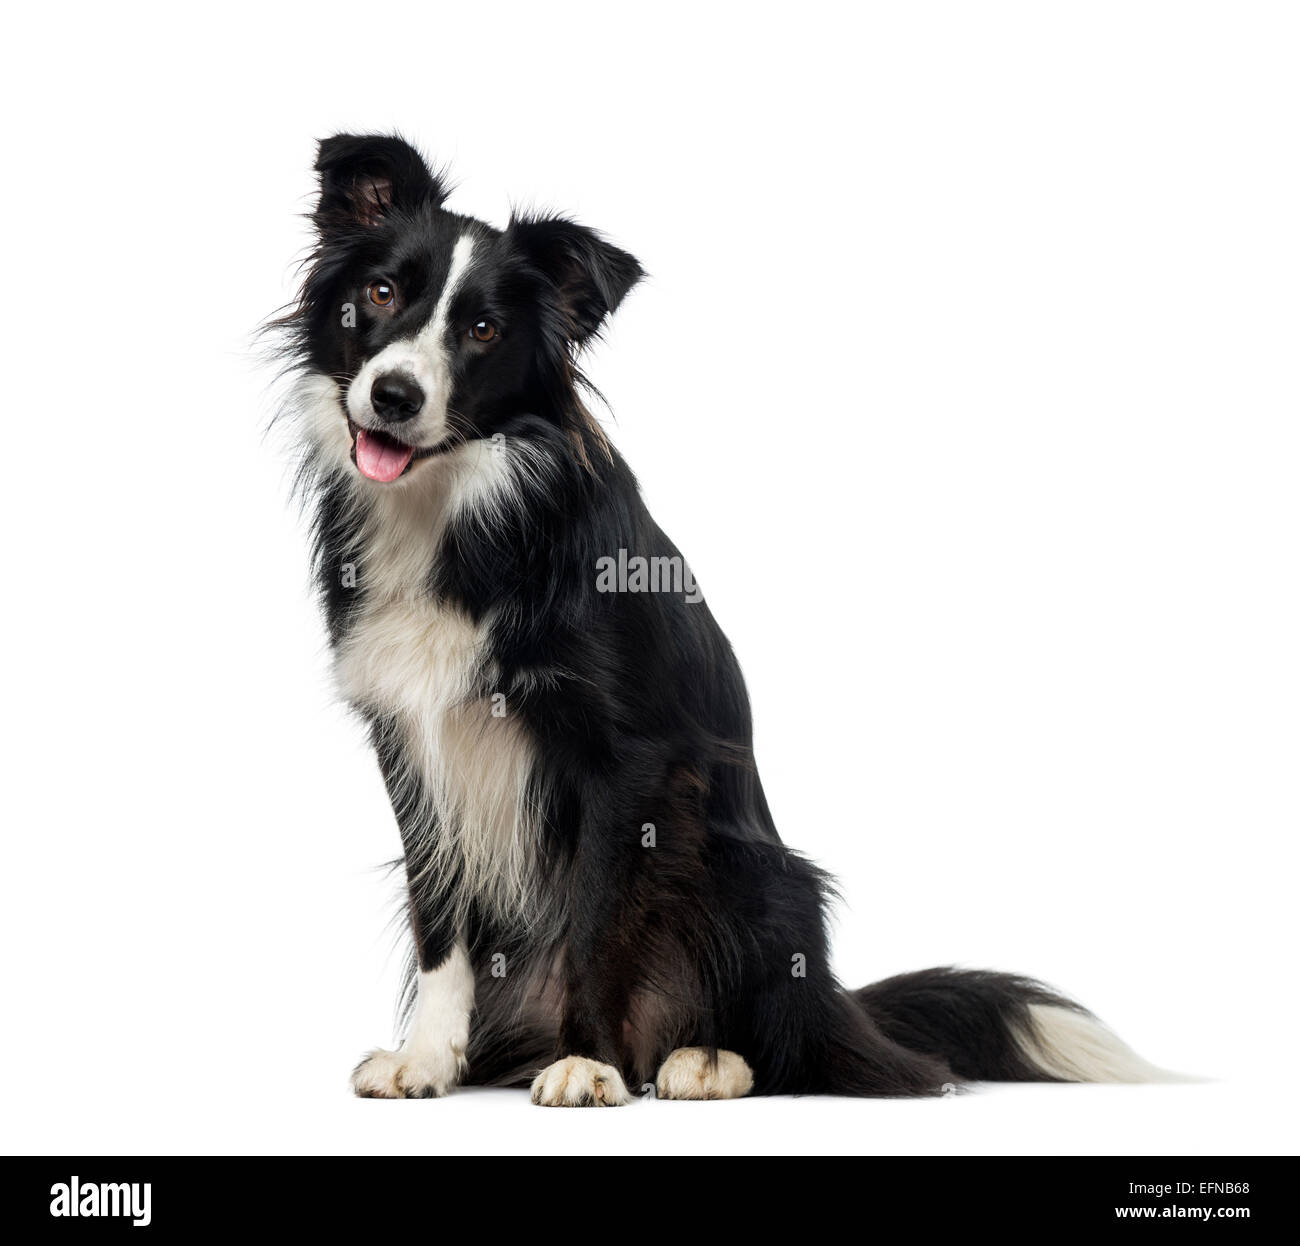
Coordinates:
column 997, row 1027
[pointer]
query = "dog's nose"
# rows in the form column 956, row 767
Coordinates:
column 396, row 397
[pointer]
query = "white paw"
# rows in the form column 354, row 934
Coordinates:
column 689, row 1073
column 415, row 1073
column 576, row 1082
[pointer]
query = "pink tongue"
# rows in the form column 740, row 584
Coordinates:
column 380, row 458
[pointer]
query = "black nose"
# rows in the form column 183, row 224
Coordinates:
column 396, row 397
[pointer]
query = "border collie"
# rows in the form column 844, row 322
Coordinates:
column 597, row 893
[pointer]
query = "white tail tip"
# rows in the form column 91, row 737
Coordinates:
column 1075, row 1047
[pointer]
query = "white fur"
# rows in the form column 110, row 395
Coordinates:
column 576, row 1082
column 424, row 664
column 692, row 1073
column 432, row 1058
column 424, row 358
column 1077, row 1048
column 317, row 411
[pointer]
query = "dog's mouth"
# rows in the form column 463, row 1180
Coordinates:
column 382, row 457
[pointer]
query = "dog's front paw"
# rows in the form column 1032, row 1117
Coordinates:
column 576, row 1082
column 416, row 1073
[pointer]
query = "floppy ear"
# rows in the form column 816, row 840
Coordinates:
column 590, row 275
column 364, row 176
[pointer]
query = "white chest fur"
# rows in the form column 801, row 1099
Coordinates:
column 424, row 665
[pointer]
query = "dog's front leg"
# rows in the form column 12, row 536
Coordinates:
column 598, row 957
column 431, row 1059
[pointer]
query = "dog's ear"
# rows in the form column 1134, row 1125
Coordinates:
column 363, row 177
column 590, row 275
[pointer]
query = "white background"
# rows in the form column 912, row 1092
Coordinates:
column 966, row 379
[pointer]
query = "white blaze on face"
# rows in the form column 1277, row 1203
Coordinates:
column 423, row 358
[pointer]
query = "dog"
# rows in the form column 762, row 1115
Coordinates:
column 598, row 896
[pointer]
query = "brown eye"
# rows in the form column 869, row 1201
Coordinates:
column 484, row 331
column 381, row 294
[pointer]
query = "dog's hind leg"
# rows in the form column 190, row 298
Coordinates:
column 701, row 1073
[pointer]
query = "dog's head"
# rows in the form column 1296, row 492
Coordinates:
column 436, row 327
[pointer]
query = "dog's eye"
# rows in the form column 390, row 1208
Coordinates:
column 381, row 293
column 484, row 331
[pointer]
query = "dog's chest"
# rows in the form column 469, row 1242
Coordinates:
column 424, row 666
column 409, row 657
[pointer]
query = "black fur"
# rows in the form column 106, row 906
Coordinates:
column 634, row 702
column 964, row 1017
